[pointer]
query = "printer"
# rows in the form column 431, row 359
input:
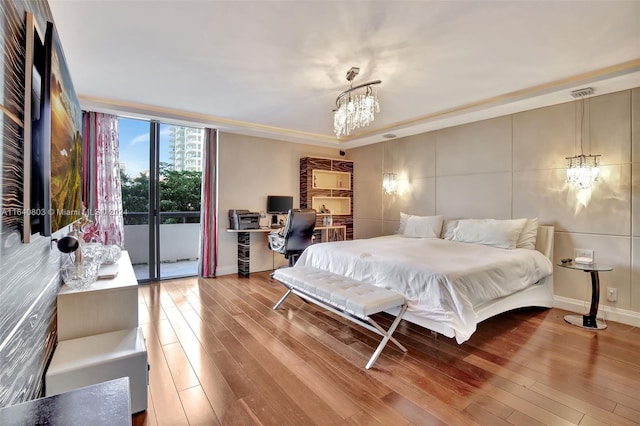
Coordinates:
column 243, row 219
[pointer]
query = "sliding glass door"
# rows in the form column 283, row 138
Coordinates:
column 179, row 186
column 135, row 166
column 161, row 171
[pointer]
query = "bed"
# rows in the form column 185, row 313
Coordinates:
column 450, row 286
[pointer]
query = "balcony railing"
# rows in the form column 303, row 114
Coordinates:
column 142, row 218
column 179, row 236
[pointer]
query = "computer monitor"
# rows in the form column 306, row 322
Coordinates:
column 278, row 204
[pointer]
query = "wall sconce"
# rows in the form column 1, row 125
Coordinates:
column 583, row 170
column 390, row 183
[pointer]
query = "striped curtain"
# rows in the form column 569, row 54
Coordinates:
column 102, row 193
column 208, row 207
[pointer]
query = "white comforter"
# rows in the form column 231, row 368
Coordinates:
column 442, row 280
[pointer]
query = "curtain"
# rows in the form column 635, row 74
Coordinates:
column 101, row 168
column 208, row 207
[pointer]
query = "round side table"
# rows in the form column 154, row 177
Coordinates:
column 588, row 321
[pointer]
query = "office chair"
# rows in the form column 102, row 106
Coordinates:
column 296, row 236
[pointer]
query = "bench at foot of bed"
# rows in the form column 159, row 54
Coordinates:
column 351, row 299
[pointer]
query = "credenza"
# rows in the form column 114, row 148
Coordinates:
column 107, row 305
column 98, row 336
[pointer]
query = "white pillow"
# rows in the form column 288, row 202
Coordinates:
column 403, row 222
column 447, row 228
column 490, row 232
column 529, row 234
column 423, row 227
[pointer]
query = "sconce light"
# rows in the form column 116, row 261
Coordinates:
column 583, row 170
column 390, row 183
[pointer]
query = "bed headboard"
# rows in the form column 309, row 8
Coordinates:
column 544, row 241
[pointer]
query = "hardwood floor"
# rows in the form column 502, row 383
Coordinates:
column 220, row 355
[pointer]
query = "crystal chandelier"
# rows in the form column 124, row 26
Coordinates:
column 355, row 108
column 390, row 183
column 583, row 170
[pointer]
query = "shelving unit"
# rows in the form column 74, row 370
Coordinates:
column 328, row 182
column 323, row 179
column 330, row 233
column 337, row 206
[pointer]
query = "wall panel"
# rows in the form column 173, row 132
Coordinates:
column 480, row 147
column 368, row 201
column 609, row 250
column 543, row 137
column 635, row 275
column 474, row 195
column 412, row 157
column 416, row 196
column 544, row 194
column 635, row 125
column 610, row 127
column 367, row 228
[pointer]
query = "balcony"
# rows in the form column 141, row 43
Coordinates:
column 179, row 243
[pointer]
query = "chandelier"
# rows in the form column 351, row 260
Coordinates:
column 356, row 106
column 583, row 170
column 390, row 183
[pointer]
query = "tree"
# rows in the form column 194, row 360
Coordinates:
column 135, row 197
column 179, row 192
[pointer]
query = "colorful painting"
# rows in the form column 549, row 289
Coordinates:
column 66, row 141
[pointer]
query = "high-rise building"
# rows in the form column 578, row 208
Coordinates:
column 185, row 148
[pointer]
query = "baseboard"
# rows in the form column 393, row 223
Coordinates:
column 226, row 270
column 607, row 312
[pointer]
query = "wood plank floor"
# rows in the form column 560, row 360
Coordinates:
column 220, row 355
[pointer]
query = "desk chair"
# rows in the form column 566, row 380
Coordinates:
column 296, row 236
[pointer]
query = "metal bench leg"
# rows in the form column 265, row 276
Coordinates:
column 277, row 305
column 383, row 332
column 387, row 336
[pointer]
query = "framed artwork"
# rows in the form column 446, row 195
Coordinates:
column 65, row 117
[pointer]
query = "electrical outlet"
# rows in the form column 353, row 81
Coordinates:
column 583, row 253
column 612, row 294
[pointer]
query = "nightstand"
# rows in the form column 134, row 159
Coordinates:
column 588, row 321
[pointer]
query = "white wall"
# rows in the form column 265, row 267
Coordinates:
column 514, row 166
column 251, row 168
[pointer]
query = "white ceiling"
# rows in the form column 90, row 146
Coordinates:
column 274, row 68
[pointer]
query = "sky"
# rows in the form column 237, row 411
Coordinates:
column 134, row 145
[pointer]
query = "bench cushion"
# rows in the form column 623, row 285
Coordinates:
column 352, row 296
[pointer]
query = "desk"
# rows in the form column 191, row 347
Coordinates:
column 244, row 242
column 588, row 321
column 244, row 247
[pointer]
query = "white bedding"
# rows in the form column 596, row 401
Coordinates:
column 442, row 280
